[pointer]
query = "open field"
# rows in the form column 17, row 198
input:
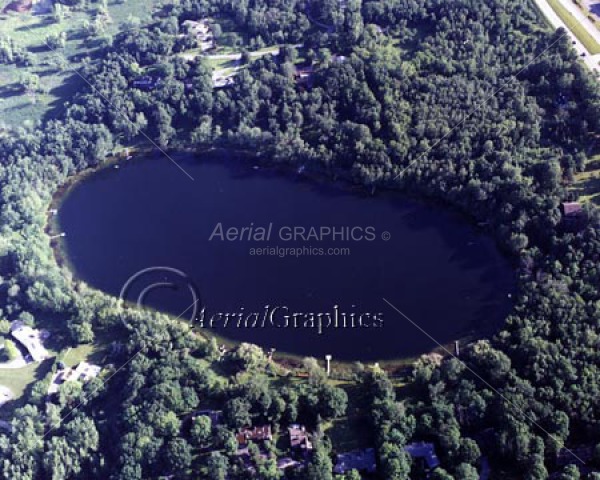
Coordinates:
column 19, row 380
column 55, row 69
column 578, row 30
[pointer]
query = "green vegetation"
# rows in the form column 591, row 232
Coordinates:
column 10, row 349
column 20, row 381
column 578, row 30
column 586, row 186
column 387, row 94
column 86, row 31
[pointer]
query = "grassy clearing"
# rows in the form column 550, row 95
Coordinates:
column 19, row 380
column 578, row 30
column 352, row 431
column 55, row 70
column 587, row 183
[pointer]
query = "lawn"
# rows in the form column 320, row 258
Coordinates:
column 578, row 30
column 18, row 380
column 55, row 69
column 587, row 183
column 352, row 431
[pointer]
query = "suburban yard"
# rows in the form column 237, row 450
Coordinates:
column 18, row 380
column 587, row 183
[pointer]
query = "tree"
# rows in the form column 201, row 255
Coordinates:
column 333, row 402
column 217, row 466
column 466, row 472
column 10, row 350
column 201, row 431
column 320, row 466
column 352, row 475
column 395, row 462
column 237, row 412
column 178, row 455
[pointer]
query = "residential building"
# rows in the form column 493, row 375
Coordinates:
column 299, row 439
column 423, row 451
column 362, row 460
column 255, row 434
column 31, row 339
column 83, row 373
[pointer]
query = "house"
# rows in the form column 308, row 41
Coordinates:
column 19, row 6
column 255, row 434
column 361, row 460
column 299, row 439
column 146, row 83
column 31, row 339
column 202, row 32
column 579, row 456
column 83, row 373
column 574, row 216
column 304, row 75
column 571, row 209
column 424, row 451
column 42, row 7
column 223, row 81
column 287, row 462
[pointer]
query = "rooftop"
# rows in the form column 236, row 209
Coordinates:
column 31, row 339
column 299, row 437
column 571, row 208
column 425, row 451
column 361, row 460
column 83, row 373
column 255, row 434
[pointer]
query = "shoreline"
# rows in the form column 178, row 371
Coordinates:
column 286, row 359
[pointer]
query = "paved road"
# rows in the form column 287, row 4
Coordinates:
column 556, row 22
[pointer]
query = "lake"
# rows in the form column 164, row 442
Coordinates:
column 283, row 261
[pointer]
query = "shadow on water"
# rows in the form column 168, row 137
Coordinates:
column 440, row 271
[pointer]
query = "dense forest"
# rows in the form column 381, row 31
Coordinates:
column 473, row 103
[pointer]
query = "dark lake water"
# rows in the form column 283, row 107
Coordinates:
column 437, row 269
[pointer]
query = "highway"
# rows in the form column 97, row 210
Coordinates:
column 590, row 60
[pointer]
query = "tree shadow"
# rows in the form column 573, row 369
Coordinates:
column 41, row 24
column 63, row 93
column 10, row 90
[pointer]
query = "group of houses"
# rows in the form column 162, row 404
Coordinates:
column 301, row 447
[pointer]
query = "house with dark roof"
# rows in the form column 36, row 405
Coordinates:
column 31, row 339
column 146, row 83
column 425, row 452
column 573, row 215
column 361, row 460
column 83, row 373
column 579, row 456
column 299, row 439
column 255, row 434
column 571, row 209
